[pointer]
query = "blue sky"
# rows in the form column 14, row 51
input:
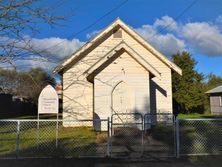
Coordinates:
column 195, row 26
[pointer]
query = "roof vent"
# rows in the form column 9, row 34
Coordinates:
column 117, row 33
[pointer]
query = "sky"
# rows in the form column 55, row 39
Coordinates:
column 168, row 25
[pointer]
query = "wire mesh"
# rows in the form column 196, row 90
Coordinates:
column 82, row 140
column 159, row 136
column 200, row 136
column 52, row 138
column 127, row 135
column 131, row 135
column 8, row 133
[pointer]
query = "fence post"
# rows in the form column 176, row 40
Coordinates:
column 143, row 129
column 57, row 129
column 17, row 139
column 108, row 138
column 177, row 139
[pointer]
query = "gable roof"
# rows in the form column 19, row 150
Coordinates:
column 77, row 55
column 218, row 89
column 111, row 56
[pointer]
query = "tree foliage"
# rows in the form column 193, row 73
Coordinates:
column 20, row 18
column 188, row 89
column 26, row 84
column 213, row 81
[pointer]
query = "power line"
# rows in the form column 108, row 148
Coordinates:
column 117, row 7
column 109, row 12
column 90, row 25
column 176, row 18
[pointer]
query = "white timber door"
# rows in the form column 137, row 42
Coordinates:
column 122, row 102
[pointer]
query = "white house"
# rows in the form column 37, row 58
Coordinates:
column 116, row 72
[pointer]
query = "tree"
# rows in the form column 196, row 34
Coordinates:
column 25, row 84
column 35, row 80
column 19, row 19
column 8, row 81
column 213, row 81
column 188, row 89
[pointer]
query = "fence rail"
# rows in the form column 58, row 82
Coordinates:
column 52, row 138
column 135, row 135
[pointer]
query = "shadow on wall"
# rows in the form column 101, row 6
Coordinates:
column 96, row 122
column 153, row 88
column 13, row 107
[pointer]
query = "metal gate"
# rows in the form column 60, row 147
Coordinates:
column 159, row 135
column 150, row 136
column 127, row 135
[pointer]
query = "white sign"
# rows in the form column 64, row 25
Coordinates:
column 48, row 102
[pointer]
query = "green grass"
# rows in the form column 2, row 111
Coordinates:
column 195, row 115
column 72, row 141
column 200, row 136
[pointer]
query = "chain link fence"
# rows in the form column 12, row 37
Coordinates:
column 8, row 140
column 52, row 138
column 125, row 135
column 159, row 136
column 199, row 136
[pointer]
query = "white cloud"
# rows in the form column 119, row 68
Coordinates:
column 201, row 37
column 51, row 51
column 166, row 22
column 168, row 44
column 92, row 34
column 56, row 47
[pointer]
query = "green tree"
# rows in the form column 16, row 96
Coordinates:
column 26, row 84
column 213, row 81
column 8, row 81
column 188, row 89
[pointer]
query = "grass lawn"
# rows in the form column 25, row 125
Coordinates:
column 195, row 115
column 33, row 142
column 200, row 136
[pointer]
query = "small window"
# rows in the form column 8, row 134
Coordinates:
column 117, row 33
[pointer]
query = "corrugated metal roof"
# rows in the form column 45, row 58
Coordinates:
column 215, row 90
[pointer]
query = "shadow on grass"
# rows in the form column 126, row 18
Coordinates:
column 72, row 142
column 159, row 141
column 201, row 137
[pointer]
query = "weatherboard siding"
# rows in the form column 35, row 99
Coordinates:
column 77, row 91
column 161, row 95
column 78, row 102
column 215, row 104
column 123, row 69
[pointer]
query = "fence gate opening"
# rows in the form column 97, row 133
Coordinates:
column 159, row 135
column 127, row 135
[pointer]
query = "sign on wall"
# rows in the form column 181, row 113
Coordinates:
column 48, row 102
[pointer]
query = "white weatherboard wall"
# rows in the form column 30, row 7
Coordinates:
column 83, row 99
column 123, row 69
column 77, row 91
column 160, row 89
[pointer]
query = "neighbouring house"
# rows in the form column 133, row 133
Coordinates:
column 216, row 100
column 116, row 72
